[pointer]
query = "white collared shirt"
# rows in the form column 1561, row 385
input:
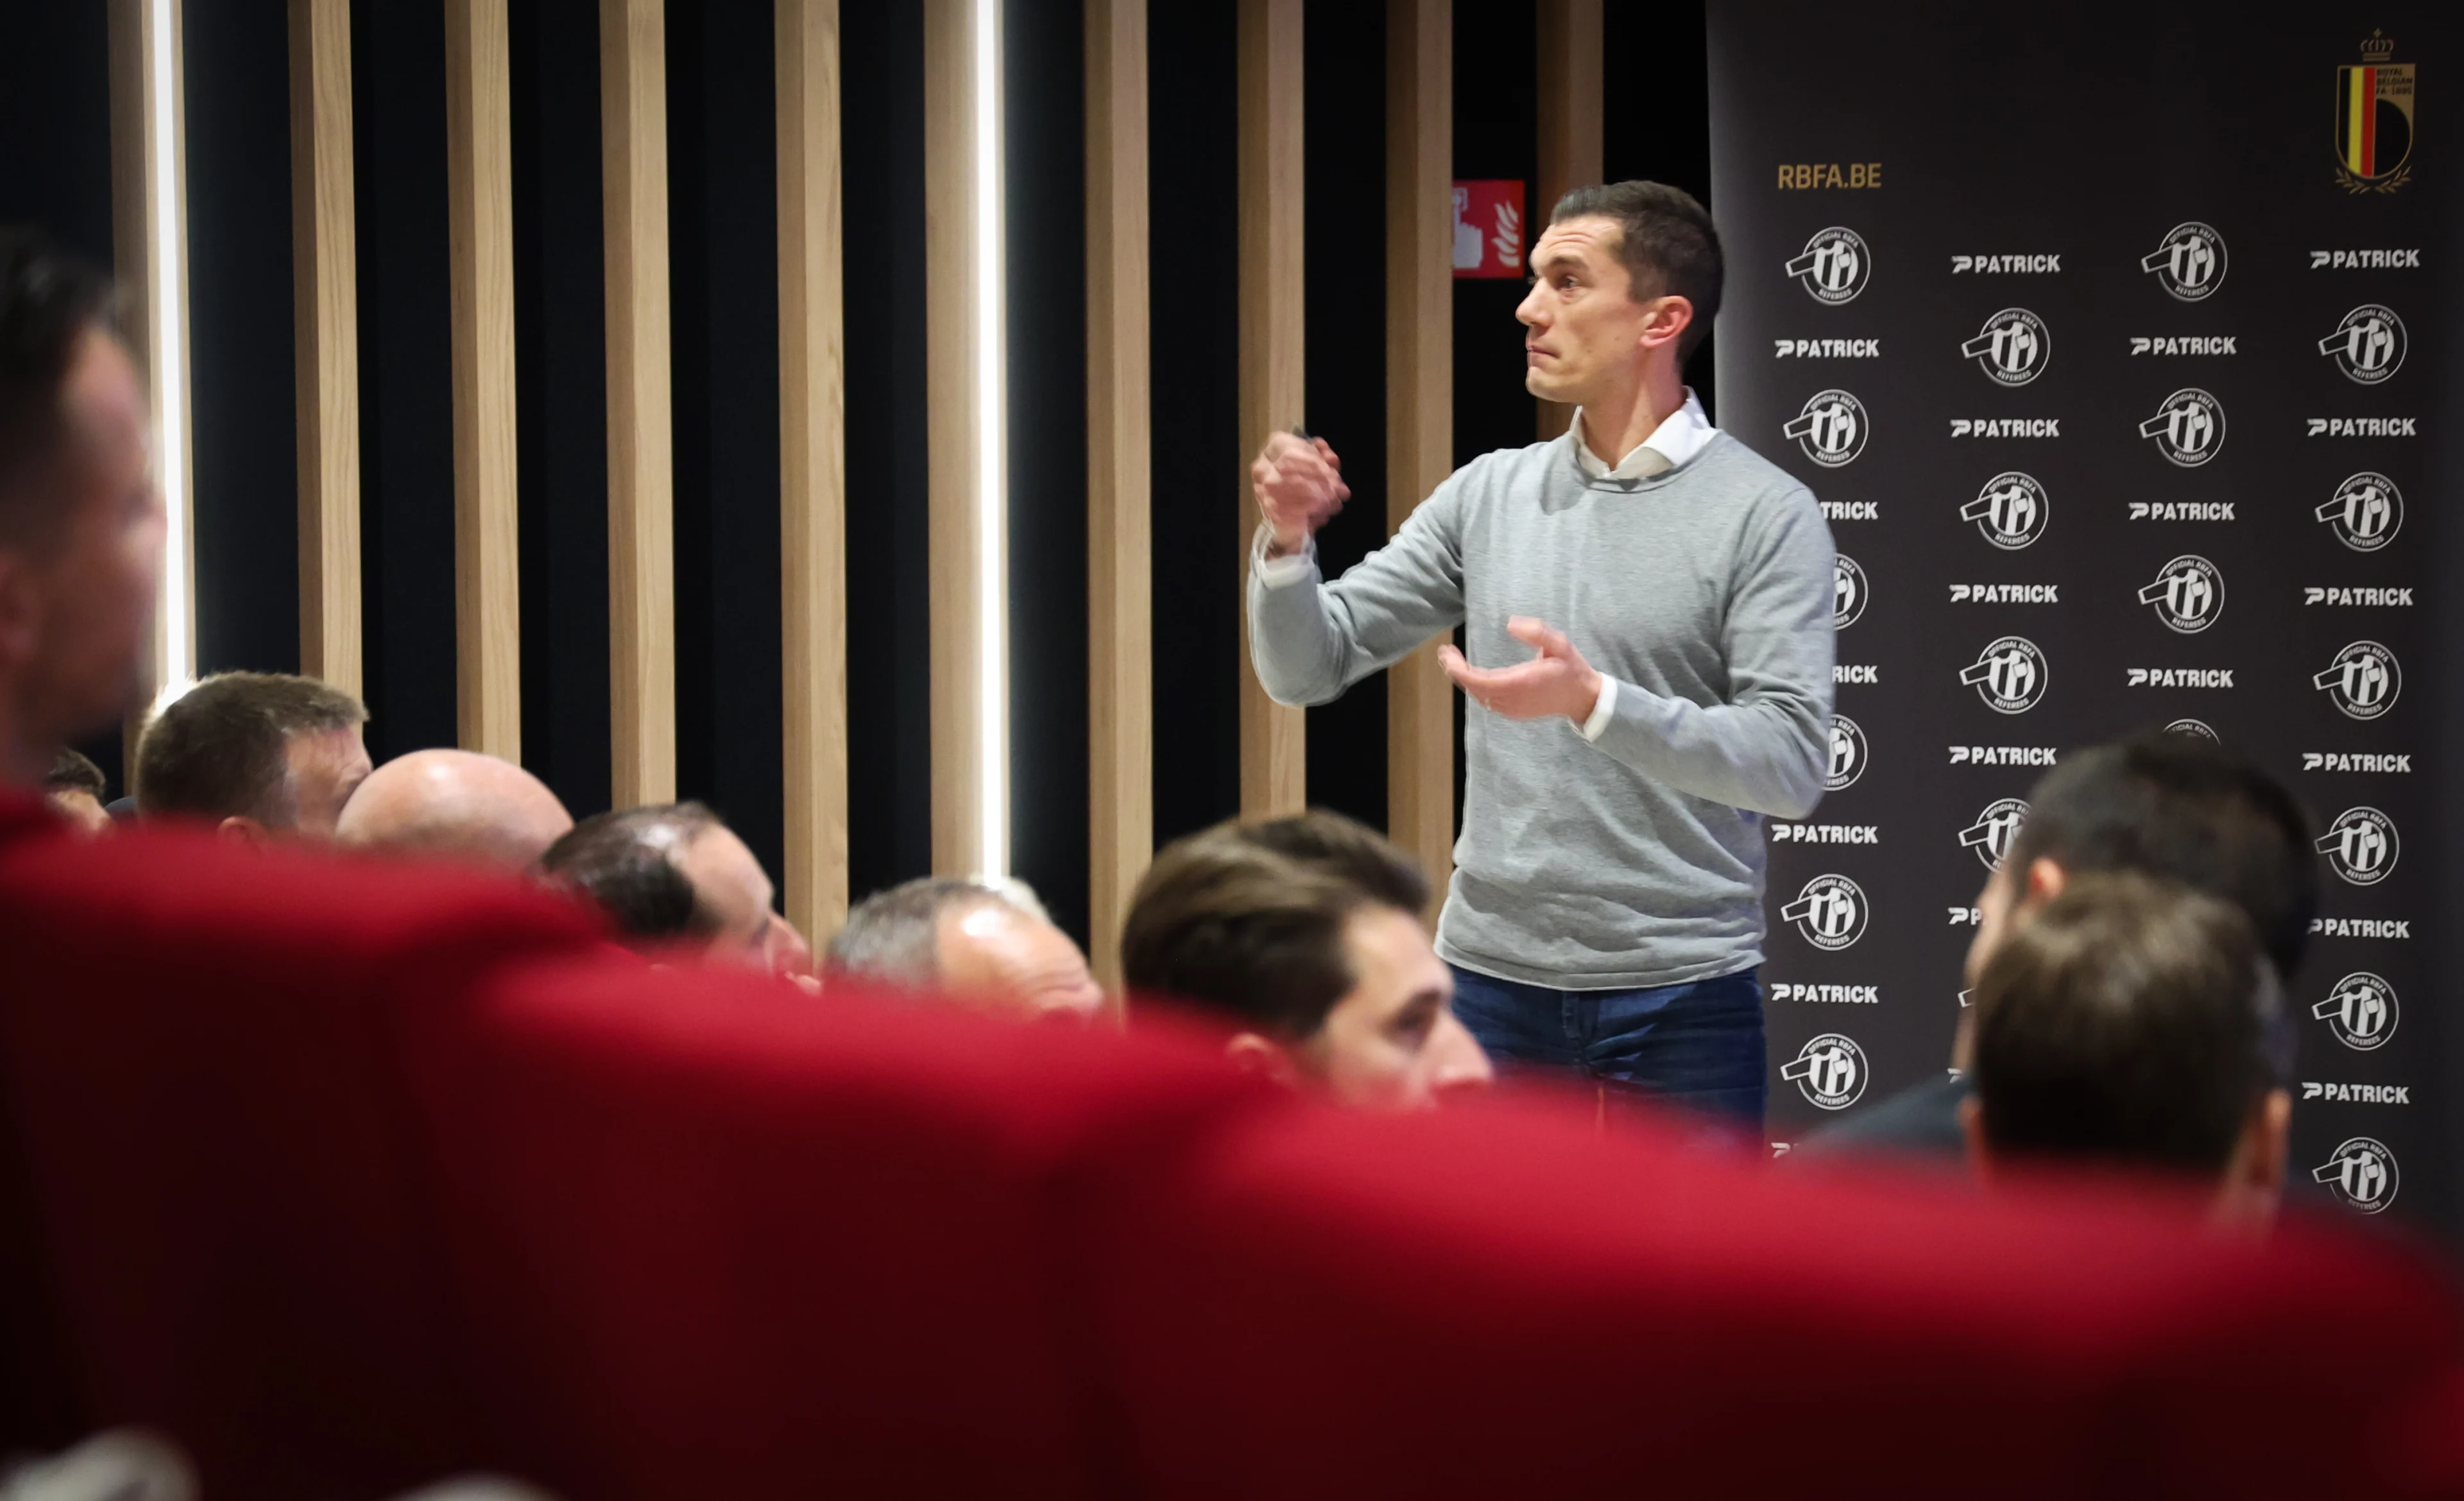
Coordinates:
column 1679, row 437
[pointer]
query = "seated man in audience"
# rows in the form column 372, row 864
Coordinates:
column 74, row 791
column 677, row 880
column 259, row 755
column 454, row 805
column 989, row 947
column 1307, row 934
column 80, row 517
column 2134, row 1024
column 2175, row 807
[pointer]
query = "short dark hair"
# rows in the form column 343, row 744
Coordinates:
column 896, row 934
column 219, row 750
column 625, row 862
column 2184, row 808
column 73, row 772
column 1249, row 919
column 49, row 300
column 2129, row 1022
column 1666, row 240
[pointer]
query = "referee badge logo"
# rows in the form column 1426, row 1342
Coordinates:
column 2188, row 262
column 2188, row 427
column 2188, row 594
column 1847, row 755
column 2012, row 348
column 1991, row 835
column 1829, row 430
column 2367, row 346
column 2365, row 512
column 1829, row 1071
column 2361, row 1011
column 1847, row 591
column 2364, row 680
column 2010, row 512
column 1828, row 912
column 2361, row 846
column 2361, row 1173
column 1834, row 266
column 2009, row 674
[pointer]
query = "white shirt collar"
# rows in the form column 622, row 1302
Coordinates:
column 1679, row 437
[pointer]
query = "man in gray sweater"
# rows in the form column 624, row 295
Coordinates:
column 1648, row 609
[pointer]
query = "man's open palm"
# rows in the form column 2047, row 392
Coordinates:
column 1558, row 681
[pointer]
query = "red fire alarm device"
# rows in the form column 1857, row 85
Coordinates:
column 1489, row 229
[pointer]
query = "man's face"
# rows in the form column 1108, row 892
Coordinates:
column 1393, row 1041
column 73, row 612
column 1013, row 963
column 326, row 768
column 732, row 886
column 1583, row 328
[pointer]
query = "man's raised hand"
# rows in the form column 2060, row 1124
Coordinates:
column 1299, row 485
column 1558, row 681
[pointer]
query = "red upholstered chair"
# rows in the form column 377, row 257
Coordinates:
column 205, row 1124
column 1495, row 1304
column 725, row 1241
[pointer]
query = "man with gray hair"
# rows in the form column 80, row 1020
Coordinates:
column 988, row 947
column 454, row 805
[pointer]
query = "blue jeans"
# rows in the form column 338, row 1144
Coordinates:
column 1698, row 1044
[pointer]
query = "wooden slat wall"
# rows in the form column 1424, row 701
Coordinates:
column 640, row 457
column 1119, row 581
column 1570, row 127
column 953, row 430
column 324, row 271
column 487, row 536
column 812, row 466
column 1419, row 401
column 1274, row 761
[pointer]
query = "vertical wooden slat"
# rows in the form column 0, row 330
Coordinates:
column 640, row 466
column 1274, row 763
column 812, row 465
column 325, row 318
column 1570, row 127
column 1419, row 401
column 1119, row 633
column 954, row 436
column 486, row 535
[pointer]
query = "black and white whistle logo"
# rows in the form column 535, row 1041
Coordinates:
column 1829, row 430
column 2188, row 426
column 1829, row 1070
column 2367, row 346
column 2188, row 594
column 2361, row 1011
column 2012, row 346
column 2010, row 512
column 2188, row 262
column 2364, row 682
column 1991, row 835
column 2010, row 675
column 1834, row 266
column 2361, row 846
column 2361, row 1174
column 1848, row 591
column 1848, row 753
column 2365, row 512
column 1828, row 912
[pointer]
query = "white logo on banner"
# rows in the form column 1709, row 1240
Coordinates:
column 1829, row 1071
column 2199, row 729
column 1991, row 835
column 2188, row 262
column 2360, row 1174
column 2188, row 426
column 1847, row 591
column 1828, row 912
column 2361, row 1011
column 2364, row 680
column 2361, row 846
column 2010, row 512
column 1847, row 755
column 2365, row 512
column 1829, row 430
column 2368, row 345
column 1834, row 266
column 2009, row 675
column 2188, row 594
column 2012, row 346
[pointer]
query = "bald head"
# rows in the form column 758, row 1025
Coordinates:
column 454, row 805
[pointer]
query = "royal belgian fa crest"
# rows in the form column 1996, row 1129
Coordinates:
column 2375, row 118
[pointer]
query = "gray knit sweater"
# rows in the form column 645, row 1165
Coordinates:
column 1636, row 859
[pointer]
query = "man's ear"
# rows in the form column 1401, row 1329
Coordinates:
column 2269, row 1144
column 2044, row 882
column 1252, row 1054
column 1971, row 1130
column 240, row 829
column 1667, row 321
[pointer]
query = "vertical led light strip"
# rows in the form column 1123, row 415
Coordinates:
column 992, row 547
column 177, row 666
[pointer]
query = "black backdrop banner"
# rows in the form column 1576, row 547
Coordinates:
column 2113, row 349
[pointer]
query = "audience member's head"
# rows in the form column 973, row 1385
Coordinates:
column 1307, row 934
column 74, row 789
column 454, row 805
column 2177, row 807
column 80, row 518
column 2131, row 1022
column 255, row 754
column 675, row 879
column 987, row 946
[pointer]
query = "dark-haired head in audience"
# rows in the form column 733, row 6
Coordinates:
column 454, row 805
column 989, row 947
column 74, row 791
column 256, row 754
column 2177, row 807
column 2134, row 1023
column 674, row 879
column 80, row 520
column 1305, row 932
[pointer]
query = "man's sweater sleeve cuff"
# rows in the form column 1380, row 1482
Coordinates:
column 1603, row 711
column 1277, row 573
